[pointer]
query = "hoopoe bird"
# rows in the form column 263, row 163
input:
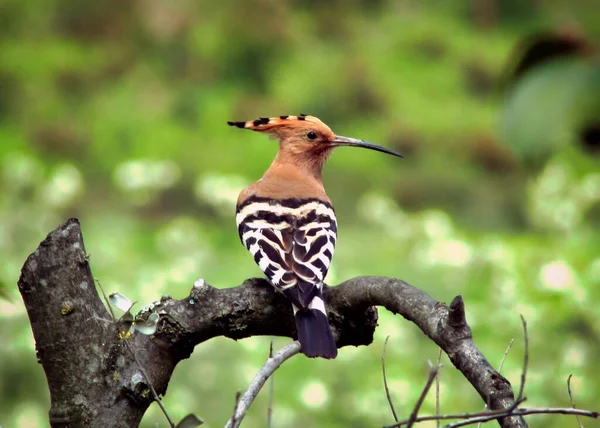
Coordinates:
column 288, row 224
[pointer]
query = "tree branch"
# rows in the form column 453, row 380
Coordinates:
column 94, row 382
column 272, row 364
column 433, row 372
column 385, row 384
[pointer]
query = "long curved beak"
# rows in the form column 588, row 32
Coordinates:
column 354, row 142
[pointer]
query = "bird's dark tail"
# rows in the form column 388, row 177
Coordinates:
column 314, row 332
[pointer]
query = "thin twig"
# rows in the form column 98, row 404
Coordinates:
column 523, row 412
column 512, row 341
column 271, row 389
column 235, row 406
column 432, row 374
column 110, row 309
column 385, row 384
column 437, row 388
column 510, row 344
column 154, row 394
column 572, row 400
column 520, row 397
column 259, row 380
column 473, row 418
column 237, row 402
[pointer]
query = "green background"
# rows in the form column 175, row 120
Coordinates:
column 115, row 112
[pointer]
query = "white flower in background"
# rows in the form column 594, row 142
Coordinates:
column 19, row 169
column 557, row 275
column 574, row 355
column 437, row 224
column 146, row 174
column 451, row 252
column 314, row 394
column 64, row 185
column 383, row 211
column 220, row 191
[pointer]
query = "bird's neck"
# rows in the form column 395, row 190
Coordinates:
column 293, row 177
column 305, row 164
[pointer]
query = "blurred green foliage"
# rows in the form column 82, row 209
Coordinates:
column 114, row 112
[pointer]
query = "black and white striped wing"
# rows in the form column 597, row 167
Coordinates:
column 314, row 244
column 292, row 242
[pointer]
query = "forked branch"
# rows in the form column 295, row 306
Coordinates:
column 80, row 351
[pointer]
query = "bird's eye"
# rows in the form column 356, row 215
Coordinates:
column 311, row 135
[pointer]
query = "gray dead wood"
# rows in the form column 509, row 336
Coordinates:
column 94, row 382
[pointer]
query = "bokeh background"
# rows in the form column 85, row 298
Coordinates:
column 114, row 112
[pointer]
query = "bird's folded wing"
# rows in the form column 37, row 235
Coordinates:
column 294, row 259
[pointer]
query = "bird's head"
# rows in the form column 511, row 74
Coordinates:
column 306, row 138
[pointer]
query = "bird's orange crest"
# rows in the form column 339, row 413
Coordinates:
column 287, row 126
column 268, row 123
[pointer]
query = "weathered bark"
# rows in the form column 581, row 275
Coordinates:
column 94, row 381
